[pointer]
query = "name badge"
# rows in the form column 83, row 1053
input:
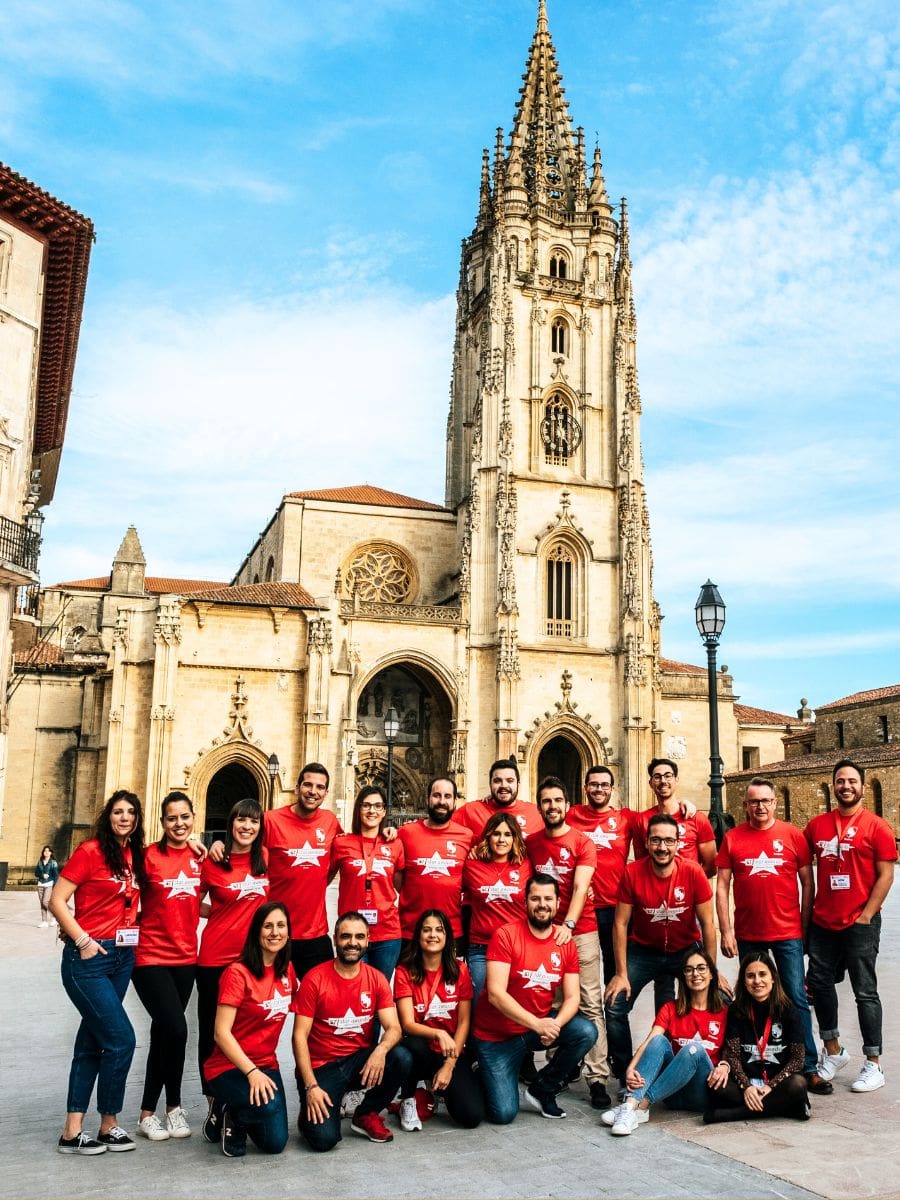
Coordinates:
column 759, row 1083
column 840, row 883
column 371, row 915
column 128, row 936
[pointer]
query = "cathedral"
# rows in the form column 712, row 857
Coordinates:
column 518, row 619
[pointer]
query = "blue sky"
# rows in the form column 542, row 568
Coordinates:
column 280, row 189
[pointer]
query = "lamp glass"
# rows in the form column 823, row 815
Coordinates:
column 710, row 611
column 391, row 724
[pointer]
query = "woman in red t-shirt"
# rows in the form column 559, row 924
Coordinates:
column 255, row 996
column 166, row 963
column 233, row 889
column 104, row 876
column 371, row 871
column 678, row 1061
column 433, row 990
column 494, row 879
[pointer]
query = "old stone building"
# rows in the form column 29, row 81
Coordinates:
column 518, row 618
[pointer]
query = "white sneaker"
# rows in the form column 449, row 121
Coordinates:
column 409, row 1115
column 612, row 1114
column 177, row 1123
column 829, row 1064
column 151, row 1127
column 351, row 1102
column 43, row 925
column 869, row 1079
column 628, row 1120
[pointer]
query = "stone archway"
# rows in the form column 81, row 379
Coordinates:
column 231, row 783
column 560, row 756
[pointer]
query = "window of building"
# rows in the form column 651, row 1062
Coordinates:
column 560, row 604
column 559, row 431
column 270, row 569
column 839, row 730
column 749, row 758
column 559, row 265
column 559, row 336
column 826, row 795
column 877, row 798
column 381, row 573
column 883, row 732
column 786, row 803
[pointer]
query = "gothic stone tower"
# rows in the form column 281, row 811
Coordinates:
column 544, row 465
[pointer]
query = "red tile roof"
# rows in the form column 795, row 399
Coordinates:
column 866, row 756
column 154, row 585
column 281, row 595
column 745, row 714
column 873, row 694
column 41, row 654
column 680, row 668
column 365, row 493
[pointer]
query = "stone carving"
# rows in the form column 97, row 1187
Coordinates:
column 538, row 316
column 493, row 370
column 162, row 712
column 120, row 631
column 505, row 441
column 469, row 527
column 565, row 684
column 676, row 747
column 457, row 764
column 507, row 504
column 586, row 325
column 626, row 447
column 115, row 716
column 432, row 614
column 632, row 391
column 477, row 414
column 508, row 655
column 380, row 574
column 635, row 670
column 237, row 714
column 319, row 639
column 632, row 589
column 168, row 622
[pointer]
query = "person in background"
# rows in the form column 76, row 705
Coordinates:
column 46, row 873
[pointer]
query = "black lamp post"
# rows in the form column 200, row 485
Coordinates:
column 391, row 729
column 272, row 766
column 710, row 614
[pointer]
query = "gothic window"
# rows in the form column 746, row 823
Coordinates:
column 826, row 796
column 75, row 636
column 559, row 612
column 560, row 431
column 270, row 569
column 380, row 573
column 559, row 336
column 877, row 798
column 559, row 265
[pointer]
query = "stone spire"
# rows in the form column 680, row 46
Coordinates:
column 128, row 566
column 484, row 201
column 623, row 264
column 598, row 198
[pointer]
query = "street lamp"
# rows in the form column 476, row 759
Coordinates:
column 710, row 614
column 391, row 729
column 272, row 766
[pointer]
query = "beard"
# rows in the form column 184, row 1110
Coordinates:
column 540, row 923
column 440, row 816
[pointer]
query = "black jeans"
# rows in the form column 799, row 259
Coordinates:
column 309, row 952
column 789, row 1099
column 463, row 1095
column 207, row 1002
column 164, row 992
column 343, row 1075
column 854, row 950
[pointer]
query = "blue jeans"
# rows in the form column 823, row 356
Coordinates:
column 499, row 1064
column 679, row 1079
column 343, row 1075
column 267, row 1124
column 477, row 960
column 788, row 956
column 104, row 1044
column 383, row 956
column 854, row 950
column 644, row 965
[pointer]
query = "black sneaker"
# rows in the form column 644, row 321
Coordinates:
column 212, row 1126
column 81, row 1143
column 528, row 1071
column 599, row 1096
column 115, row 1139
column 234, row 1137
column 544, row 1103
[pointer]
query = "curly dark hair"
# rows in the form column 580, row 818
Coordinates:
column 482, row 849
column 112, row 850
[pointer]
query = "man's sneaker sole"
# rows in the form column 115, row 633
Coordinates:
column 359, row 1129
column 534, row 1102
column 79, row 1145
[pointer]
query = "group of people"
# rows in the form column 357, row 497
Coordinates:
column 467, row 941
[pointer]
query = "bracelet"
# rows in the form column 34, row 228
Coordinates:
column 250, row 1072
column 309, row 1087
column 83, row 940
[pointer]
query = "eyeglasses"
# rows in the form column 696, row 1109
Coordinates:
column 658, row 841
column 373, row 807
column 662, row 778
column 762, row 803
column 702, row 969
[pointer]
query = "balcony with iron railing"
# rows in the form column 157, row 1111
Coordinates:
column 19, row 549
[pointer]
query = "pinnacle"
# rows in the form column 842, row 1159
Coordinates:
column 130, row 550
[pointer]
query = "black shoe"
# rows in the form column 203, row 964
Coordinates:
column 528, row 1071
column 234, row 1137
column 599, row 1096
column 115, row 1139
column 81, row 1143
column 212, row 1126
column 818, row 1086
column 544, row 1103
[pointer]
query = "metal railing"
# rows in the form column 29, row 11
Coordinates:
column 19, row 545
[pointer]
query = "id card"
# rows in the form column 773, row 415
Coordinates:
column 371, row 915
column 128, row 936
column 759, row 1083
column 840, row 883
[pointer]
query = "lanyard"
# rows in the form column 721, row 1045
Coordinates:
column 127, row 878
column 668, row 903
column 429, row 993
column 762, row 1044
column 841, row 830
column 368, row 859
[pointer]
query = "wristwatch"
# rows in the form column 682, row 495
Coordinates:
column 569, row 924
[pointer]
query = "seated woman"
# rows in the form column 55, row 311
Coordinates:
column 433, row 991
column 255, row 995
column 764, row 1046
column 678, row 1060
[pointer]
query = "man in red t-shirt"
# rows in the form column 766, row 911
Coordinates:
column 855, row 854
column 338, row 1010
column 435, row 849
column 571, row 858
column 696, row 839
column 515, row 1014
column 504, row 784
column 768, row 861
column 664, row 909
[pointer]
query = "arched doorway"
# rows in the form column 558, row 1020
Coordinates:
column 230, row 783
column 560, row 757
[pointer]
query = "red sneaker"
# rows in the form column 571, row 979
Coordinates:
column 370, row 1125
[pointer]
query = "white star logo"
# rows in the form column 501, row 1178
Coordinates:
column 762, row 864
column 251, row 886
column 603, row 839
column 541, row 978
column 440, row 1010
column 305, row 855
column 348, row 1023
column 664, row 913
column 380, row 866
column 120, row 882
column 278, row 1006
column 558, row 871
column 752, row 1052
column 498, row 891
column 436, row 865
column 181, row 885
column 829, row 848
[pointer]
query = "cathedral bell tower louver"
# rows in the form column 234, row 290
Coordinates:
column 544, row 465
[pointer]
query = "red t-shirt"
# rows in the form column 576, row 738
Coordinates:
column 696, row 1025
column 262, row 1006
column 846, row 852
column 299, row 865
column 476, row 814
column 610, row 831
column 536, row 970
column 435, row 1002
column 235, row 896
column 433, row 874
column 692, row 833
column 366, row 867
column 103, row 902
column 343, row 1010
column 663, row 910
column 764, row 865
column 559, row 856
column 495, row 892
column 170, row 908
